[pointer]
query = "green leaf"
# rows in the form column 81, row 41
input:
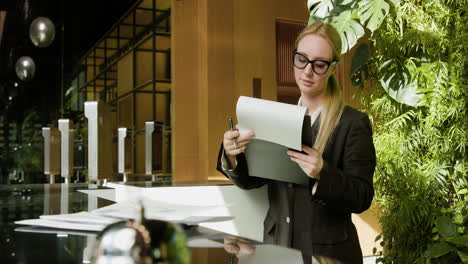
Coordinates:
column 377, row 238
column 459, row 240
column 373, row 12
column 395, row 2
column 359, row 64
column 463, row 256
column 321, row 8
column 438, row 250
column 397, row 82
column 458, row 219
column 350, row 30
column 360, row 57
column 445, row 226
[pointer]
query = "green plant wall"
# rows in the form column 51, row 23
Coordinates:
column 419, row 108
column 417, row 71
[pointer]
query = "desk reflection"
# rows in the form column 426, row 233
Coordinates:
column 25, row 244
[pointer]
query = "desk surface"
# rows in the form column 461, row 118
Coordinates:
column 20, row 244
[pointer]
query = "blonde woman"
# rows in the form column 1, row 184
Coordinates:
column 316, row 218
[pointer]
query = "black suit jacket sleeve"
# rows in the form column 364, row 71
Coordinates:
column 240, row 175
column 350, row 189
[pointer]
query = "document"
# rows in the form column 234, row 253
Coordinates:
column 275, row 122
column 81, row 217
column 98, row 219
column 266, row 254
column 278, row 127
column 175, row 213
column 61, row 224
column 48, row 230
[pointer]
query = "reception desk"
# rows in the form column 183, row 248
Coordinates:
column 27, row 244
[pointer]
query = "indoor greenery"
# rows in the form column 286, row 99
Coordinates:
column 417, row 68
column 27, row 151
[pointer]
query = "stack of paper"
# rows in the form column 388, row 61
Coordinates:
column 98, row 219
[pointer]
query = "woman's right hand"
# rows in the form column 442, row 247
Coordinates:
column 235, row 246
column 234, row 144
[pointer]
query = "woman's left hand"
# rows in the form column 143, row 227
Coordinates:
column 311, row 163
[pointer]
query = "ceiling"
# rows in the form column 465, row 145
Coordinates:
column 83, row 22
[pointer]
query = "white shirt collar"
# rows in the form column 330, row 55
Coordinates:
column 314, row 115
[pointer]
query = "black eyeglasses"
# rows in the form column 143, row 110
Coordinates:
column 320, row 67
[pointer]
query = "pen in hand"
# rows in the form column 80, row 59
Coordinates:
column 231, row 127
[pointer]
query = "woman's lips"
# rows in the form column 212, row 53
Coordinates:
column 307, row 82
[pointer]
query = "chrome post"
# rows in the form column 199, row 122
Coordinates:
column 149, row 129
column 99, row 141
column 91, row 112
column 66, row 151
column 121, row 163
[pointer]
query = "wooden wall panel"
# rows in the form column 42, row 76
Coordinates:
column 125, row 112
column 188, row 25
column 125, row 74
column 144, row 109
column 140, row 153
column 144, row 67
column 162, row 103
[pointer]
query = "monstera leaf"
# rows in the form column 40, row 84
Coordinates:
column 320, row 8
column 350, row 30
column 399, row 83
column 343, row 15
column 372, row 12
column 340, row 14
column 359, row 64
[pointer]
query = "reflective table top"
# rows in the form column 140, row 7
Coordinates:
column 26, row 244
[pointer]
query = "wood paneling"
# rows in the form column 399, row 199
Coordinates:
column 189, row 26
column 286, row 34
column 125, row 74
column 125, row 112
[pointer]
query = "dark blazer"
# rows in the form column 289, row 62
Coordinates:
column 320, row 224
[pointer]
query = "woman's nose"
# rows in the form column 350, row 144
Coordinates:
column 308, row 69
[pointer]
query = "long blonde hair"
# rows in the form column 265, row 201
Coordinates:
column 333, row 104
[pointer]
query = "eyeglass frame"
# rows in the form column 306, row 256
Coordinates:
column 329, row 63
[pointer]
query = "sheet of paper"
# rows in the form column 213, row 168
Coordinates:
column 81, row 217
column 61, row 225
column 100, row 218
column 178, row 213
column 279, row 123
column 47, row 230
column 266, row 254
column 108, row 194
column 204, row 243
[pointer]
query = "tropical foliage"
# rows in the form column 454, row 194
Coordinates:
column 27, row 153
column 417, row 66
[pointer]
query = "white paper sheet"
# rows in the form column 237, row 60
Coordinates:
column 100, row 218
column 47, row 230
column 271, row 121
column 61, row 224
column 204, row 243
column 178, row 213
column 266, row 254
column 108, row 194
column 81, row 217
